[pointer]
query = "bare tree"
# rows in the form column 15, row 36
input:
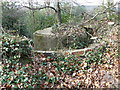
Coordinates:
column 57, row 9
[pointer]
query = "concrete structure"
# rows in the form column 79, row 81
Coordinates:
column 45, row 40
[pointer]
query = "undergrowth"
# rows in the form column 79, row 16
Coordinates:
column 47, row 73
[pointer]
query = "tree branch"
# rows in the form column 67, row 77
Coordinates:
column 41, row 8
column 80, row 6
column 98, row 14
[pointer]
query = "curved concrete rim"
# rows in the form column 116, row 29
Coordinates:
column 68, row 52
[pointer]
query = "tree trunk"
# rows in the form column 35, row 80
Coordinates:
column 59, row 18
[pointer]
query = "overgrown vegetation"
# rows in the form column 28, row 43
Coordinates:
column 15, row 47
column 21, row 67
column 73, row 36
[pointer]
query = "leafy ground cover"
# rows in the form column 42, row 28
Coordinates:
column 97, row 69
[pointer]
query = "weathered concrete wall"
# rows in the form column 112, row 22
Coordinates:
column 45, row 40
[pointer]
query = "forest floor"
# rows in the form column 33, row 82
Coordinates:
column 66, row 71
